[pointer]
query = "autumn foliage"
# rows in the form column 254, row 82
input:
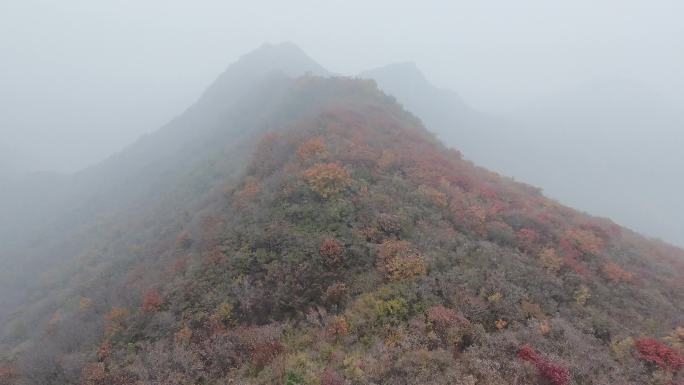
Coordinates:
column 615, row 273
column 327, row 179
column 421, row 268
column 152, row 301
column 399, row 261
column 331, row 251
column 311, row 148
column 659, row 354
column 554, row 373
column 442, row 318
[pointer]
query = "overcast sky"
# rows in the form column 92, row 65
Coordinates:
column 81, row 79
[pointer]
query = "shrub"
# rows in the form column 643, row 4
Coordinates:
column 335, row 294
column 433, row 195
column 533, row 310
column 442, row 318
column 399, row 261
column 327, row 179
column 93, row 374
column 586, row 241
column 621, row 347
column 294, row 379
column 615, row 273
column 500, row 232
column 338, row 327
column 331, row 377
column 389, row 223
column 527, row 239
column 552, row 372
column 313, row 147
column 115, row 320
column 391, row 311
column 582, row 295
column 331, row 252
column 550, row 260
column 152, row 301
column 676, row 338
column 408, row 267
column 657, row 353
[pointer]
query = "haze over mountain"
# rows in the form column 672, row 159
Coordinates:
column 607, row 147
column 292, row 227
column 142, row 180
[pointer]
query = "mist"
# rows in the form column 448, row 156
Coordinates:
column 80, row 81
column 341, row 192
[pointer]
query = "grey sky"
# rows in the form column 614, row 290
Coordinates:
column 80, row 79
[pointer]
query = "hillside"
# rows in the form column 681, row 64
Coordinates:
column 309, row 230
column 606, row 147
column 47, row 220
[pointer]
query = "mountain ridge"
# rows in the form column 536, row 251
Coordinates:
column 326, row 236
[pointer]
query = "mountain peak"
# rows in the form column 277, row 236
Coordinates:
column 407, row 71
column 284, row 57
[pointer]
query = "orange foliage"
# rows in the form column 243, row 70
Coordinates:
column 338, row 327
column 115, row 320
column 314, row 147
column 249, row 191
column 585, row 241
column 327, row 179
column 387, row 159
column 615, row 273
column 331, row 252
column 183, row 335
column 398, row 261
column 442, row 318
column 433, row 195
column 550, row 260
column 501, row 324
column 104, row 350
column 152, row 301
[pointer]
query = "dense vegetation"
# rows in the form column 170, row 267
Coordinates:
column 355, row 249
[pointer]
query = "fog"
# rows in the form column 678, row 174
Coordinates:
column 80, row 80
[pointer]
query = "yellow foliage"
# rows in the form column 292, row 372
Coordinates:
column 327, row 179
column 621, row 348
column 224, row 312
column 433, row 195
column 545, row 327
column 387, row 159
column 494, row 298
column 338, row 326
column 550, row 260
column 501, row 324
column 676, row 338
column 582, row 295
column 533, row 309
column 399, row 261
column 311, row 148
column 115, row 320
column 401, row 268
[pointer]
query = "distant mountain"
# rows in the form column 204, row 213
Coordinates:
column 483, row 138
column 46, row 219
column 603, row 147
column 309, row 230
